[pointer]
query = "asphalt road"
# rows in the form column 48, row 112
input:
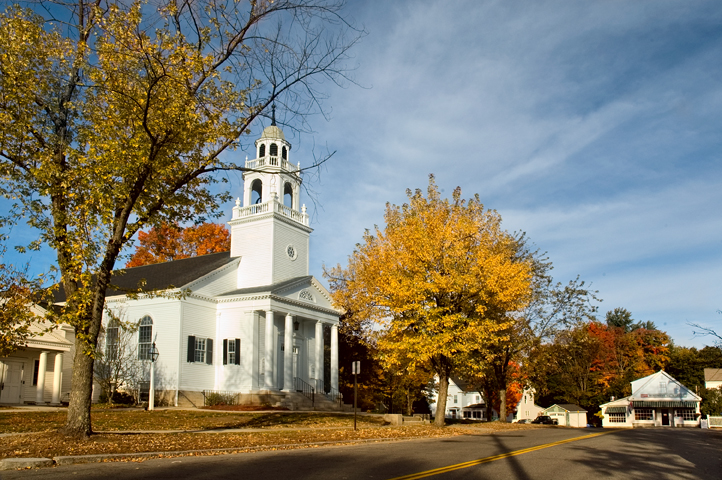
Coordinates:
column 551, row 453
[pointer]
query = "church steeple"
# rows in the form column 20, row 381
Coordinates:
column 269, row 228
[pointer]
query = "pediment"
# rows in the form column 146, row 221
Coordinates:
column 661, row 385
column 309, row 291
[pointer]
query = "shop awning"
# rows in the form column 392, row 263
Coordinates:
column 662, row 404
column 616, row 410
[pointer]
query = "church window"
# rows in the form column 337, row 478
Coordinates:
column 145, row 338
column 262, row 150
column 273, row 151
column 291, row 252
column 232, row 351
column 200, row 350
column 112, row 333
column 288, row 195
column 284, row 153
column 256, row 191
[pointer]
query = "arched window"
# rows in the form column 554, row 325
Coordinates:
column 284, row 153
column 256, row 191
column 288, row 195
column 145, row 338
column 273, row 150
column 262, row 150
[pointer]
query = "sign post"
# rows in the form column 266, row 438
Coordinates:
column 355, row 369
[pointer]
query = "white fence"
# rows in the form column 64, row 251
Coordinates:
column 714, row 422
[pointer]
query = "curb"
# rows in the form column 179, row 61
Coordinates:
column 16, row 463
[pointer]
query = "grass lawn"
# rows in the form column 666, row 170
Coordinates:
column 119, row 419
column 278, row 431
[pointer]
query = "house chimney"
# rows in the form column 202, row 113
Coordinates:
column 611, row 399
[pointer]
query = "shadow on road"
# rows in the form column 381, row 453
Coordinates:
column 657, row 453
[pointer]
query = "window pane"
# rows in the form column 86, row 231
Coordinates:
column 200, row 349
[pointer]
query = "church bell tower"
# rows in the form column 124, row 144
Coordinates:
column 270, row 231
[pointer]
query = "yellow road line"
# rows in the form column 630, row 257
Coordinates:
column 501, row 456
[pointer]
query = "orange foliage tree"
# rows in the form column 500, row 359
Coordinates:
column 432, row 284
column 593, row 361
column 169, row 242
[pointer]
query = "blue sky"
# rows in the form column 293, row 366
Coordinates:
column 593, row 126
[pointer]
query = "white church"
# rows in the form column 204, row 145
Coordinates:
column 251, row 320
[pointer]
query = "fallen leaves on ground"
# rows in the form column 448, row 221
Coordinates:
column 49, row 445
column 173, row 419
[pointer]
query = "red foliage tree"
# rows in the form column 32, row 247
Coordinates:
column 171, row 242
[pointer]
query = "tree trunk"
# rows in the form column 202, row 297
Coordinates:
column 502, row 405
column 78, row 421
column 440, row 419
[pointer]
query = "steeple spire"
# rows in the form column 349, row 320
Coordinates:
column 273, row 114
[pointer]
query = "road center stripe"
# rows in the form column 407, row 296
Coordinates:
column 501, row 456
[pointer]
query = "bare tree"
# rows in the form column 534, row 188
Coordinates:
column 117, row 367
column 707, row 332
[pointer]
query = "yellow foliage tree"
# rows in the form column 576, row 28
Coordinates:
column 435, row 283
column 115, row 116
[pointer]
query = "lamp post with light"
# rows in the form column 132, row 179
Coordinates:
column 153, row 353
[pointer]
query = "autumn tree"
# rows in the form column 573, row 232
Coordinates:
column 592, row 361
column 18, row 292
column 435, row 283
column 553, row 307
column 117, row 116
column 165, row 243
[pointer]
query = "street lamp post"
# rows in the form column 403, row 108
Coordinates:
column 153, row 353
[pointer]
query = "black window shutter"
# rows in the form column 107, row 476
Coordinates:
column 191, row 348
column 209, row 351
column 238, row 351
column 225, row 351
column 35, row 372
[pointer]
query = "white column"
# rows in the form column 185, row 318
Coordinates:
column 288, row 355
column 319, row 355
column 42, row 367
column 57, row 378
column 334, row 357
column 268, row 362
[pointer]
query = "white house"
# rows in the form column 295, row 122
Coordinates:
column 567, row 414
column 656, row 400
column 461, row 401
column 251, row 321
column 527, row 409
column 40, row 372
column 713, row 378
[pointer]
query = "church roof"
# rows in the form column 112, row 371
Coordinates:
column 273, row 132
column 275, row 288
column 161, row 276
